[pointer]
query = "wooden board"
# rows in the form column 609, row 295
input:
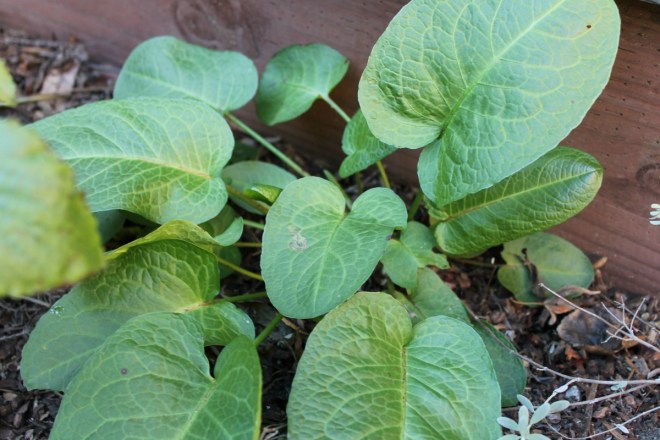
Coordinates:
column 622, row 130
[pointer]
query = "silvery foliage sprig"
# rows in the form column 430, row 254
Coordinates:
column 655, row 214
column 525, row 422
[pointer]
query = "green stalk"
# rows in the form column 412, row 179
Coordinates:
column 269, row 328
column 270, row 147
column 336, row 108
column 51, row 96
column 383, row 174
column 246, row 297
column 247, row 273
column 414, row 207
column 233, row 191
column 358, row 183
column 255, row 225
column 243, row 244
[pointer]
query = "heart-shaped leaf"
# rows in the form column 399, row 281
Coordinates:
column 172, row 269
column 159, row 158
column 509, row 368
column 170, row 68
column 7, row 86
column 294, row 78
column 546, row 193
column 367, row 373
column 151, row 380
column 48, row 237
column 361, row 146
column 543, row 258
column 433, row 297
column 410, row 252
column 244, row 175
column 226, row 227
column 315, row 255
column 500, row 83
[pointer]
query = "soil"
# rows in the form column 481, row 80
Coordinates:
column 51, row 67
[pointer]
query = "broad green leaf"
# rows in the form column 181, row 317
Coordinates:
column 151, row 380
column 226, row 228
column 509, row 368
column 172, row 269
column 221, row 322
column 263, row 193
column 109, row 223
column 366, row 373
column 48, row 236
column 432, row 297
column 231, row 254
column 314, row 255
column 294, row 78
column 159, row 158
column 410, row 252
column 546, row 193
column 499, row 83
column 244, row 175
column 243, row 152
column 557, row 264
column 175, row 230
column 361, row 146
column 7, row 86
column 166, row 67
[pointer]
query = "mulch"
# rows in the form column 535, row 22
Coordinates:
column 59, row 75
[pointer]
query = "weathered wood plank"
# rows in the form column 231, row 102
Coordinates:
column 622, row 130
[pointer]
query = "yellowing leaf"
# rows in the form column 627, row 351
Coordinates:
column 48, row 237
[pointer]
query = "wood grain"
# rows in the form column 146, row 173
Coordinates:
column 622, row 130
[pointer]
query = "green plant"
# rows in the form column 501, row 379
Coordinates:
column 126, row 345
column 525, row 422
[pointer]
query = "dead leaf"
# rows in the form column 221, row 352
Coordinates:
column 61, row 80
column 601, row 413
column 583, row 330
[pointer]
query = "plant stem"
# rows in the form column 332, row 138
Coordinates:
column 332, row 179
column 243, row 244
column 239, row 269
column 358, row 183
column 51, row 96
column 383, row 174
column 269, row 328
column 270, row 147
column 246, row 297
column 475, row 262
column 233, row 191
column 255, row 225
column 414, row 206
column 336, row 108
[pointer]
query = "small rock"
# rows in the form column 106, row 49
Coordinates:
column 573, row 393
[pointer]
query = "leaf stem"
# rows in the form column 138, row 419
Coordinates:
column 332, row 179
column 246, row 297
column 269, row 328
column 358, row 183
column 476, row 262
column 383, row 174
column 243, row 244
column 244, row 198
column 336, row 108
column 255, row 225
column 51, row 96
column 247, row 273
column 414, row 206
column 270, row 147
